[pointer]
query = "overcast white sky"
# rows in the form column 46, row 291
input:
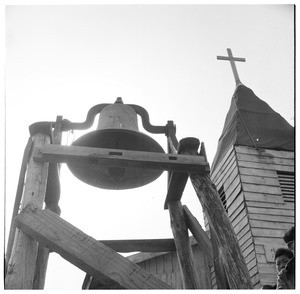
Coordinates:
column 62, row 60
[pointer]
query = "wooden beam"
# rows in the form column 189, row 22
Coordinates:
column 121, row 158
column 197, row 231
column 142, row 245
column 21, row 266
column 83, row 251
column 183, row 248
column 51, row 202
column 178, row 180
column 231, row 256
column 19, row 194
column 177, row 183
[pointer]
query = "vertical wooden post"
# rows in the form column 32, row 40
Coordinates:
column 51, row 203
column 221, row 278
column 183, row 247
column 225, row 240
column 222, row 232
column 21, row 266
column 18, row 199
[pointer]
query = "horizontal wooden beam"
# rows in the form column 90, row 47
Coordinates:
column 122, row 158
column 83, row 251
column 141, row 245
column 142, row 256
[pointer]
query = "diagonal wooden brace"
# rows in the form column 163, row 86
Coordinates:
column 83, row 251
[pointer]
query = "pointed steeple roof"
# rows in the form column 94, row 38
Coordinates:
column 252, row 122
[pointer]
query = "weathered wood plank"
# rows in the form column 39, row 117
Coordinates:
column 83, row 251
column 177, row 181
column 221, row 174
column 234, row 265
column 18, row 198
column 121, row 158
column 263, row 197
column 184, row 251
column 272, row 218
column 176, row 185
column 265, row 159
column 283, row 206
column 160, row 265
column 142, row 256
column 142, row 245
column 22, row 264
column 235, row 192
column 202, row 268
column 258, row 210
column 266, row 173
column 229, row 187
column 274, row 233
column 248, row 248
column 242, row 228
column 267, row 268
column 270, row 224
column 265, row 152
column 245, row 241
column 274, row 240
column 259, row 165
column 219, row 169
column 261, row 189
column 238, row 219
column 51, row 202
column 235, row 206
column 260, row 180
column 197, row 231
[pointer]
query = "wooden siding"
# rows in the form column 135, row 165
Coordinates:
column 166, row 268
column 255, row 204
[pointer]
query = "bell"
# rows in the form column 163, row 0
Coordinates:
column 117, row 129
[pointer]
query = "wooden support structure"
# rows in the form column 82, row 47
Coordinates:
column 120, row 158
column 18, row 199
column 41, row 231
column 142, row 245
column 198, row 233
column 25, row 248
column 83, row 251
column 232, row 259
column 51, row 202
column 183, row 247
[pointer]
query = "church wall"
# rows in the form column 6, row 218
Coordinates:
column 166, row 267
column 269, row 214
column 226, row 177
column 248, row 180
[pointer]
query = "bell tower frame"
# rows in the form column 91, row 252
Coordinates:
column 36, row 231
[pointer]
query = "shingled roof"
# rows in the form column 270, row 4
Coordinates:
column 252, row 122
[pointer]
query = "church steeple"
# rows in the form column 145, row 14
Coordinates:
column 253, row 171
column 252, row 122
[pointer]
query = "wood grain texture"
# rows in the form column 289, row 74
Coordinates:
column 142, row 245
column 183, row 248
column 232, row 258
column 21, row 266
column 121, row 158
column 83, row 251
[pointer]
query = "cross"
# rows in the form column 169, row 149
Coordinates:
column 232, row 63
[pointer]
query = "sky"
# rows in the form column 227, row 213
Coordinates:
column 63, row 60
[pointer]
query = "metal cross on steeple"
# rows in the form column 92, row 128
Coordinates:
column 232, row 63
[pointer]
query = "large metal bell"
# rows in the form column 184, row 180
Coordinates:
column 117, row 129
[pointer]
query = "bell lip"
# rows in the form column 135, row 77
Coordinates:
column 90, row 134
